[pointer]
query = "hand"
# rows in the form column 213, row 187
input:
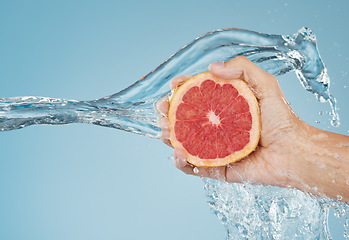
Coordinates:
column 266, row 165
column 290, row 153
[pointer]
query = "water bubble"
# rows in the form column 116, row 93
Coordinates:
column 339, row 197
column 346, row 228
column 195, row 170
column 335, row 122
column 321, row 113
column 267, row 211
column 317, row 121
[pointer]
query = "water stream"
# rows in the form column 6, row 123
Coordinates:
column 133, row 109
column 248, row 212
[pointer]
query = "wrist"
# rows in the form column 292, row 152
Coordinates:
column 318, row 165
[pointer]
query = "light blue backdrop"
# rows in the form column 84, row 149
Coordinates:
column 89, row 182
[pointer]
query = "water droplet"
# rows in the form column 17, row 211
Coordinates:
column 335, row 122
column 346, row 228
column 348, row 181
column 195, row 170
column 321, row 113
column 317, row 121
column 339, row 197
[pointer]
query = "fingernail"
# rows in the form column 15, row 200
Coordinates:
column 179, row 158
column 216, row 65
column 219, row 65
column 177, row 162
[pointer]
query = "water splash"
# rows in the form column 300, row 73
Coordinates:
column 258, row 212
column 248, row 212
column 133, row 109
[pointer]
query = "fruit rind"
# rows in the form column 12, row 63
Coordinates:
column 244, row 90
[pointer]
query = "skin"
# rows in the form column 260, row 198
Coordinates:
column 290, row 154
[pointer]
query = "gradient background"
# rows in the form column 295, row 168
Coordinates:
column 88, row 182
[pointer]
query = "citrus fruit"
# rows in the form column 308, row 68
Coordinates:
column 214, row 121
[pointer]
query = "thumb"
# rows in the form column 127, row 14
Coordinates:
column 262, row 83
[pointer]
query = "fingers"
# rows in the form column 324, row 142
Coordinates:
column 162, row 107
column 221, row 71
column 245, row 170
column 162, row 104
column 263, row 83
column 240, row 171
column 180, row 162
column 177, row 81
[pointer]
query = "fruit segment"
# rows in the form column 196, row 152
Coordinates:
column 215, row 121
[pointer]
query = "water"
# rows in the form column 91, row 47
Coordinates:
column 257, row 212
column 133, row 109
column 247, row 212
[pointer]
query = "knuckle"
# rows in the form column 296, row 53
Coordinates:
column 271, row 76
column 242, row 59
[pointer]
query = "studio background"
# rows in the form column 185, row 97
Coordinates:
column 88, row 182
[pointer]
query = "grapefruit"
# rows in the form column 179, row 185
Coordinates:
column 214, row 121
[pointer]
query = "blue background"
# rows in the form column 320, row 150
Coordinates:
column 88, row 182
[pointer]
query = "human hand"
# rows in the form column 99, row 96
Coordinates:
column 267, row 164
column 290, row 153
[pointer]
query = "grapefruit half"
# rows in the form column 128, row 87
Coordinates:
column 215, row 121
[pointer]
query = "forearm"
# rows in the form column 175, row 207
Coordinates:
column 321, row 163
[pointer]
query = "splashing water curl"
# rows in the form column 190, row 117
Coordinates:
column 133, row 109
column 248, row 212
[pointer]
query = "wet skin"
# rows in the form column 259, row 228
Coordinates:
column 290, row 153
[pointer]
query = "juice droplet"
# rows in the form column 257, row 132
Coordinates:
column 196, row 170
